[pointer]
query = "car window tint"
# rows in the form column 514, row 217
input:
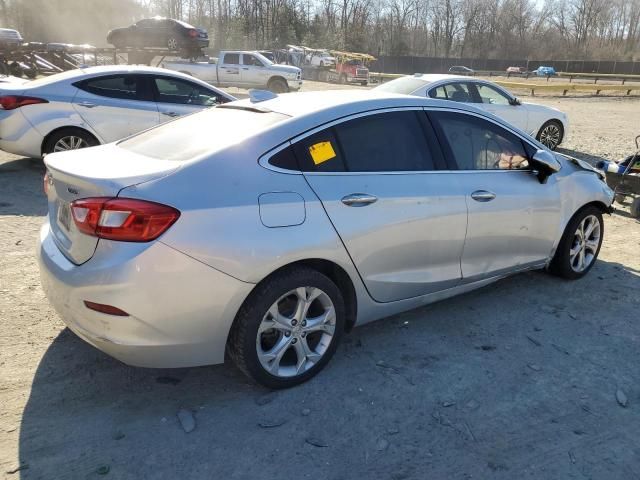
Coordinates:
column 319, row 152
column 115, row 86
column 477, row 144
column 231, row 59
column 251, row 60
column 172, row 90
column 438, row 92
column 490, row 95
column 458, row 92
column 385, row 142
column 285, row 159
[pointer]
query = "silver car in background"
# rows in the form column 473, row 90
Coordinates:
column 266, row 230
column 90, row 106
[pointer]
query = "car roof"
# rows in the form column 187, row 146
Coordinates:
column 339, row 103
column 105, row 70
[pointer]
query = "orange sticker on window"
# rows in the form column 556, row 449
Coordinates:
column 321, row 152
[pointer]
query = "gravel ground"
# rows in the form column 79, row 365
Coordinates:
column 531, row 377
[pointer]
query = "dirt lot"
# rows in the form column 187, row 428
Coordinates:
column 517, row 380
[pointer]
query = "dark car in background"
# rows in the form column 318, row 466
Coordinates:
column 159, row 32
column 461, row 70
column 10, row 38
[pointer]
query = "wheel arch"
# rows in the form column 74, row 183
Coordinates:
column 66, row 127
column 337, row 275
column 276, row 78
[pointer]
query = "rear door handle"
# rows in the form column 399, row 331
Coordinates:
column 483, row 196
column 171, row 114
column 87, row 104
column 359, row 200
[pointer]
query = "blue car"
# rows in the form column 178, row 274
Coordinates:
column 545, row 71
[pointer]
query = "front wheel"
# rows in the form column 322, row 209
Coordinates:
column 278, row 86
column 580, row 244
column 551, row 134
column 288, row 328
column 172, row 43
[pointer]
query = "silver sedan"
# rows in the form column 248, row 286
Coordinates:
column 268, row 229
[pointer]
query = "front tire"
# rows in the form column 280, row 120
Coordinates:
column 278, row 85
column 288, row 328
column 580, row 244
column 551, row 134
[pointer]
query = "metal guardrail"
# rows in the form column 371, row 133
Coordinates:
column 571, row 76
column 568, row 87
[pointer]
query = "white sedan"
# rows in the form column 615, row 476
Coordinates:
column 91, row 106
column 548, row 125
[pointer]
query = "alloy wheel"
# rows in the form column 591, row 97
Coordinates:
column 586, row 241
column 296, row 332
column 172, row 44
column 550, row 136
column 70, row 142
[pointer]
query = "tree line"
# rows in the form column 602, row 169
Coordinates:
column 552, row 29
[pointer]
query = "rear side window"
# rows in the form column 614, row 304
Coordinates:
column 383, row 142
column 458, row 92
column 320, row 152
column 477, row 144
column 114, row 86
column 231, row 59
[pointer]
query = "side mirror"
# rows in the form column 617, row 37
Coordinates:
column 546, row 164
column 515, row 101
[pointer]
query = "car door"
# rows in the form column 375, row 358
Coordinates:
column 377, row 177
column 229, row 69
column 116, row 106
column 253, row 71
column 513, row 218
column 495, row 101
column 176, row 96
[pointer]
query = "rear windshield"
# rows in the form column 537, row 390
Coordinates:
column 205, row 132
column 406, row 85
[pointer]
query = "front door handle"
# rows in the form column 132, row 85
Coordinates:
column 359, row 200
column 171, row 114
column 87, row 104
column 483, row 196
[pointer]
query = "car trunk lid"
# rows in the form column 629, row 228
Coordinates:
column 95, row 172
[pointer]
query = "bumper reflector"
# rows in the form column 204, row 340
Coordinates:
column 108, row 309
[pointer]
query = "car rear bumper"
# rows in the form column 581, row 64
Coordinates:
column 18, row 136
column 180, row 310
column 197, row 43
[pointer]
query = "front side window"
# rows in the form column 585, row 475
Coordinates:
column 171, row 90
column 251, row 60
column 490, row 95
column 477, row 144
column 114, row 86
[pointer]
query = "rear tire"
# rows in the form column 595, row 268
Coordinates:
column 580, row 244
column 172, row 43
column 280, row 339
column 68, row 139
column 551, row 134
column 635, row 208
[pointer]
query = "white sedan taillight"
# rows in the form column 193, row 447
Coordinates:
column 122, row 219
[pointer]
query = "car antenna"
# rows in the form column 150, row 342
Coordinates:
column 257, row 96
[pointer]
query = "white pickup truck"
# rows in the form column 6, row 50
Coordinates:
column 244, row 69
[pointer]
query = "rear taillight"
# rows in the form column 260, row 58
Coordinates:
column 123, row 219
column 11, row 102
column 193, row 33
